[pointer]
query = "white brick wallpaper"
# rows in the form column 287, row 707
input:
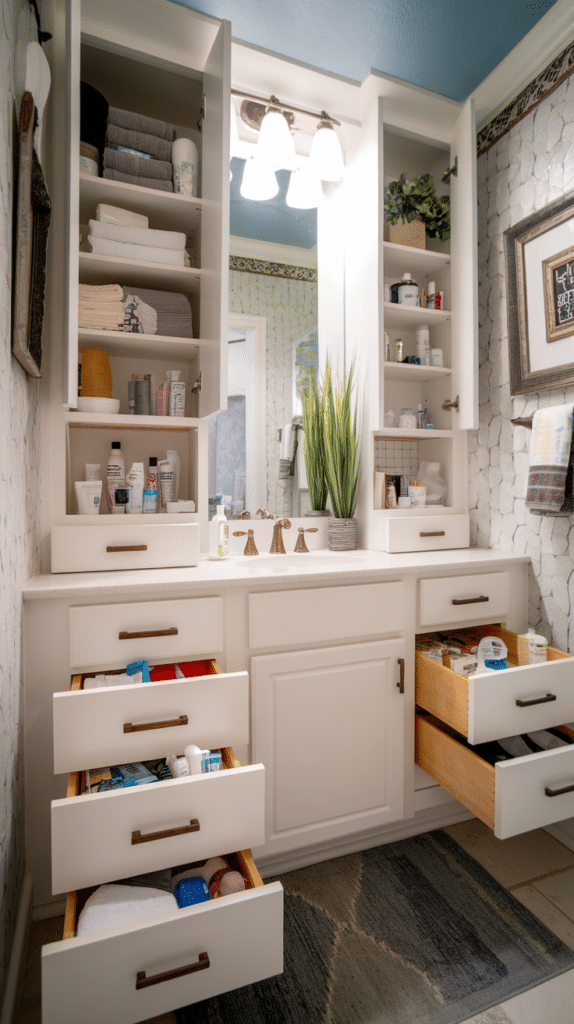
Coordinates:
column 529, row 167
column 19, row 502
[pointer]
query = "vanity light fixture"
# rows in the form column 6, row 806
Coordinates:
column 304, row 192
column 259, row 180
column 326, row 155
column 275, row 143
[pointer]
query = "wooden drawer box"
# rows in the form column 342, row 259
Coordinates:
column 453, row 599
column 426, row 533
column 131, row 972
column 128, row 544
column 510, row 797
column 115, row 634
column 489, row 706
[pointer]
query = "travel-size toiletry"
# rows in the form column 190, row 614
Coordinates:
column 116, row 471
column 219, row 535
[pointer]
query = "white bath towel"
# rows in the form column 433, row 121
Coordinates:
column 138, row 236
column 112, row 904
column 550, row 477
column 151, row 254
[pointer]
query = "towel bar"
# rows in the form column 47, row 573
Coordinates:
column 522, row 421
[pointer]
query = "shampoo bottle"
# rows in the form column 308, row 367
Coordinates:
column 116, row 471
column 175, row 459
column 150, row 493
column 135, row 481
column 219, row 535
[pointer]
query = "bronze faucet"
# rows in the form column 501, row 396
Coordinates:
column 250, row 548
column 301, row 544
column 277, row 545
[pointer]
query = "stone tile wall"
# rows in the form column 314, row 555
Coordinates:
column 19, row 503
column 524, row 171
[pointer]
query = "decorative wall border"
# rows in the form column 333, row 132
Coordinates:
column 248, row 265
column 541, row 87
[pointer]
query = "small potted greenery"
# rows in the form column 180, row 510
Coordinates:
column 415, row 203
column 342, row 459
column 314, row 447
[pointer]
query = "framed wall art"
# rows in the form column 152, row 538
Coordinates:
column 539, row 253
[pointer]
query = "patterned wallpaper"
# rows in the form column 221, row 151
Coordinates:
column 528, row 166
column 19, row 540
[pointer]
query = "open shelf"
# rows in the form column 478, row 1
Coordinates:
column 153, row 346
column 408, row 318
column 415, row 372
column 168, row 207
column 130, row 422
column 97, row 269
column 400, row 258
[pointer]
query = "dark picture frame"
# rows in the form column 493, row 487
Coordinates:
column 539, row 255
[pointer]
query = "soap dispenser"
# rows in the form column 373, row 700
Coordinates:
column 219, row 536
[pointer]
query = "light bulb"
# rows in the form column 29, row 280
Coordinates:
column 275, row 142
column 326, row 154
column 259, row 180
column 304, row 192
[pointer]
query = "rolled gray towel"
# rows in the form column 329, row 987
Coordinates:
column 140, row 123
column 129, row 163
column 160, row 149
column 134, row 179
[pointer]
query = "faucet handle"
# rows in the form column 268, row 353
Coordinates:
column 250, row 548
column 301, row 544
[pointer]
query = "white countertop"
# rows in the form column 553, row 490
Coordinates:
column 262, row 570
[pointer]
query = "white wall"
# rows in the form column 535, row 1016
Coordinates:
column 19, row 503
column 524, row 171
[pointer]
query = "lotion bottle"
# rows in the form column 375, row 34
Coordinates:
column 116, row 471
column 219, row 535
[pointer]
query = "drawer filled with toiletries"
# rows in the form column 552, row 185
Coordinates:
column 155, row 785
column 495, row 727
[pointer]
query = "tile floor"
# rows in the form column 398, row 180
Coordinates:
column 535, row 867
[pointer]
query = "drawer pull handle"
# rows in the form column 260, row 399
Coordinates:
column 150, row 837
column 144, row 634
column 538, row 700
column 470, row 600
column 128, row 727
column 435, row 533
column 126, row 547
column 201, row 965
column 401, row 682
column 558, row 792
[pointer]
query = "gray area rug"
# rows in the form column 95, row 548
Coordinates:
column 413, row 931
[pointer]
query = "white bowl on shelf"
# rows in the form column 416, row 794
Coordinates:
column 109, row 405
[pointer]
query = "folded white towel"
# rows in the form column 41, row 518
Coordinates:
column 100, row 292
column 288, row 436
column 549, row 488
column 302, row 481
column 137, row 235
column 112, row 905
column 107, row 247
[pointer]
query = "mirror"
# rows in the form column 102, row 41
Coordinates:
column 273, row 348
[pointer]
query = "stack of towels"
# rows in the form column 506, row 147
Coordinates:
column 138, row 150
column 101, row 307
column 131, row 243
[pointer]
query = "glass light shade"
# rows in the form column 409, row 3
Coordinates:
column 259, row 180
column 275, row 142
column 326, row 154
column 304, row 192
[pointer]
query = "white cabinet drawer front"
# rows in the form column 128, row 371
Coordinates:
column 323, row 614
column 127, row 545
column 117, row 725
column 464, row 598
column 427, row 533
column 92, row 835
column 109, row 634
column 510, row 797
column 92, row 978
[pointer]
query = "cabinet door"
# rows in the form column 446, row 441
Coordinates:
column 329, row 724
column 464, row 268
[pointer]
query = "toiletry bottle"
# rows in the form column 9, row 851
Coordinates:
column 422, row 336
column 135, row 481
column 431, row 295
column 166, row 482
column 162, row 397
column 174, row 457
column 219, row 535
column 408, row 291
column 149, row 497
column 176, row 395
column 116, row 471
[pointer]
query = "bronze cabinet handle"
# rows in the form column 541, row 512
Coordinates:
column 201, row 965
column 469, row 600
column 558, row 792
column 151, row 837
column 182, row 720
column 144, row 634
column 435, row 533
column 401, row 682
column 126, row 547
column 538, row 700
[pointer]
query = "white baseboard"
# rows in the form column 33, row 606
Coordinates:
column 18, row 954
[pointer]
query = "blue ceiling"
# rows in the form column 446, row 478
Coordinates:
column 448, row 47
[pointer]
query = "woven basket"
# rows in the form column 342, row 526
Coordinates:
column 96, row 374
column 412, row 234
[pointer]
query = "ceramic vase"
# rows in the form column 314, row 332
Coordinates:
column 342, row 534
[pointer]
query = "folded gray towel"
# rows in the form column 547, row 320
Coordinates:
column 140, row 123
column 129, row 163
column 134, row 179
column 172, row 308
column 160, row 149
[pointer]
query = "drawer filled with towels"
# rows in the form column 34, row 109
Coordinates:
column 494, row 725
column 162, row 935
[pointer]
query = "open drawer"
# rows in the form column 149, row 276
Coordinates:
column 119, row 724
column 489, row 706
column 131, row 972
column 510, row 797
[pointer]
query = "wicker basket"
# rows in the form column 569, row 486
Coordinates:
column 412, row 234
column 96, row 374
